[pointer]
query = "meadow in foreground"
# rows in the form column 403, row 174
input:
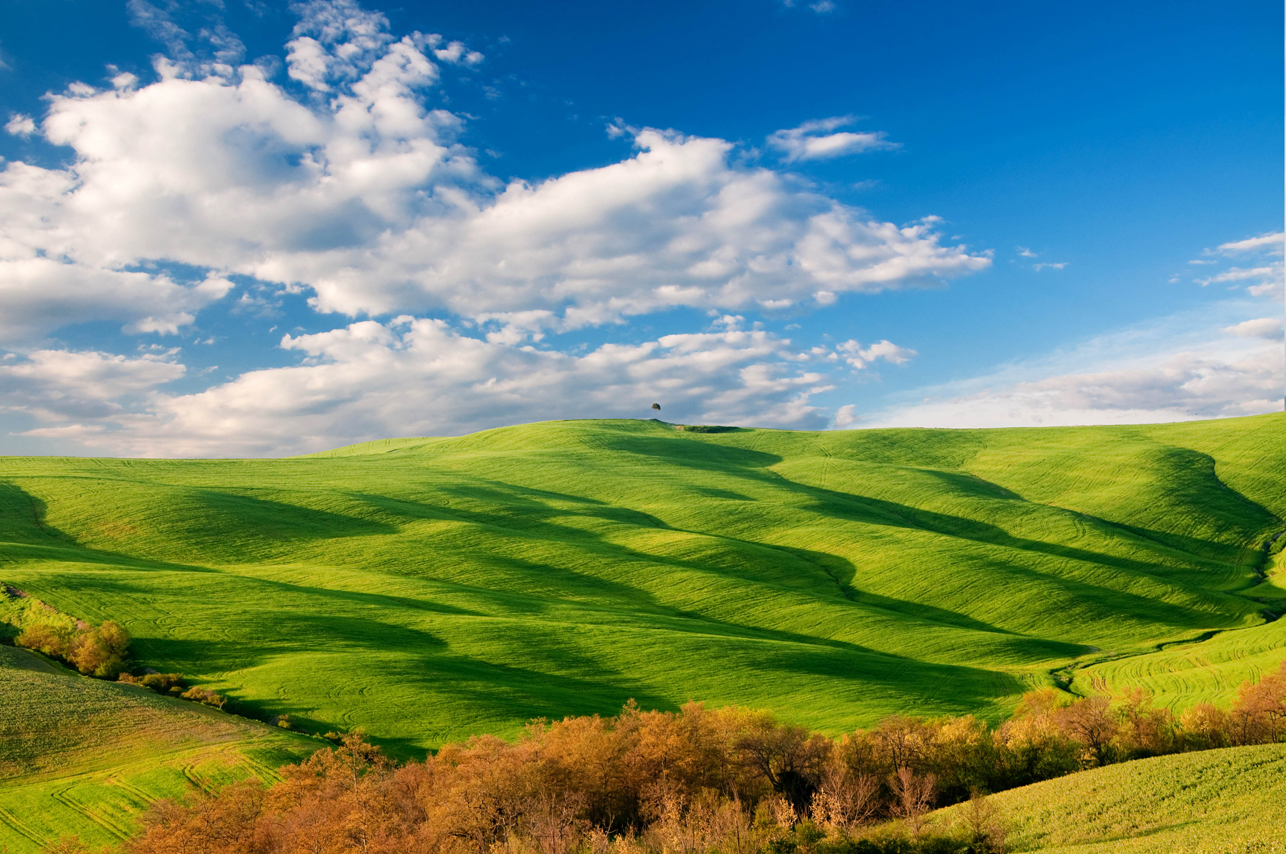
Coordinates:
column 87, row 756
column 734, row 781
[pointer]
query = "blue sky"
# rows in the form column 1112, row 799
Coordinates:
column 239, row 227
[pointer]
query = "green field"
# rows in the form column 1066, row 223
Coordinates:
column 1230, row 801
column 83, row 756
column 430, row 589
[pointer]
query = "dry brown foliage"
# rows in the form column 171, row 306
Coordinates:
column 694, row 781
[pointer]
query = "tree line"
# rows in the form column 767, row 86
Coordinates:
column 695, row 781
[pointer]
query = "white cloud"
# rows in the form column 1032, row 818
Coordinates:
column 1049, row 265
column 861, row 357
column 348, row 183
column 1264, row 279
column 365, row 197
column 456, row 53
column 814, row 141
column 57, row 386
column 1188, row 366
column 20, row 125
column 1268, row 328
column 821, row 7
column 421, row 377
column 1237, row 274
column 846, row 416
column 1025, row 252
column 1271, row 243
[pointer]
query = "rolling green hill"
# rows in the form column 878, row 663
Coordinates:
column 429, row 589
column 1230, row 801
column 83, row 756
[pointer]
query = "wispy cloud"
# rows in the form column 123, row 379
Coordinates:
column 821, row 7
column 1102, row 382
column 1237, row 274
column 1271, row 243
column 815, row 140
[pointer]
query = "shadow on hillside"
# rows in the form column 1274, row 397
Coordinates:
column 29, row 537
column 1192, row 478
column 1185, row 477
column 212, row 525
column 536, row 514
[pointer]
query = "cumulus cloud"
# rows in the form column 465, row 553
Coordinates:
column 361, row 193
column 1268, row 328
column 422, row 377
column 846, row 416
column 60, row 386
column 815, row 140
column 20, row 125
column 45, row 288
column 346, row 180
column 860, row 357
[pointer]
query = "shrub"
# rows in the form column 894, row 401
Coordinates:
column 205, row 696
column 709, row 428
column 161, row 683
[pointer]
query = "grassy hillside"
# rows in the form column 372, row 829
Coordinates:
column 1214, row 802
column 431, row 589
column 84, row 756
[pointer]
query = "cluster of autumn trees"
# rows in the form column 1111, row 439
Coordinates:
column 93, row 650
column 100, row 651
column 694, row 781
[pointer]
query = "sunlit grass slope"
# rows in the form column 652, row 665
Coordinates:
column 1213, row 802
column 83, row 756
column 430, row 589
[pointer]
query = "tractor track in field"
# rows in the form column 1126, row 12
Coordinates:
column 72, row 804
column 22, row 829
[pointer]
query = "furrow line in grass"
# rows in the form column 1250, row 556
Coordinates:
column 145, row 797
column 22, row 829
column 60, row 795
column 189, row 771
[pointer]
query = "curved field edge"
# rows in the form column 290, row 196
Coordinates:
column 1211, row 802
column 81, row 756
column 431, row 589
